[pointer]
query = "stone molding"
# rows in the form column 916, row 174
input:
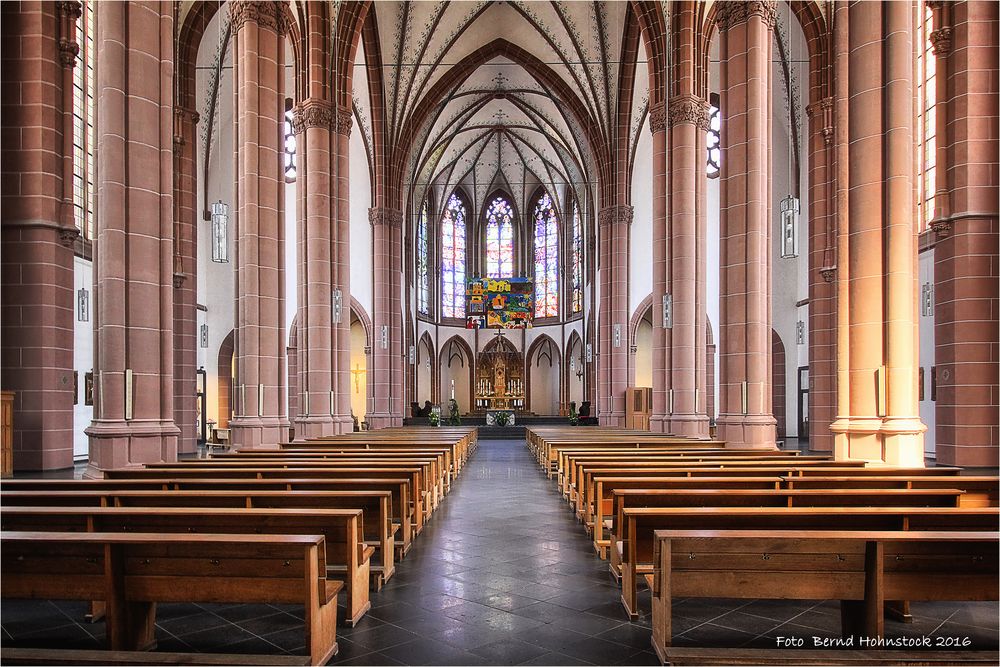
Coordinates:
column 71, row 9
column 312, row 113
column 689, row 109
column 183, row 115
column 941, row 227
column 941, row 41
column 615, row 215
column 267, row 14
column 732, row 14
column 382, row 215
column 657, row 118
column 828, row 273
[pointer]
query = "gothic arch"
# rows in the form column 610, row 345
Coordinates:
column 224, row 374
column 453, row 350
column 644, row 308
column 292, row 369
column 543, row 350
column 427, row 355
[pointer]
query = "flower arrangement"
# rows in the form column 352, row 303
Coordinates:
column 501, row 419
column 434, row 418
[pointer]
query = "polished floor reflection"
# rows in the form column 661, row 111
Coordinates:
column 502, row 575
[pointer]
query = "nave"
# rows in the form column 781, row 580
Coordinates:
column 502, row 574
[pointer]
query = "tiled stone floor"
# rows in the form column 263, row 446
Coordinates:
column 502, row 575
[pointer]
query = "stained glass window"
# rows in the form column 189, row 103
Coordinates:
column 291, row 162
column 84, row 136
column 453, row 258
column 546, row 258
column 713, row 138
column 423, row 270
column 576, row 263
column 500, row 239
column 926, row 118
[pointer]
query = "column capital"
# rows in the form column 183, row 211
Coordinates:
column 71, row 9
column 382, row 215
column 941, row 41
column 345, row 121
column 689, row 109
column 822, row 111
column 615, row 215
column 732, row 14
column 312, row 113
column 657, row 118
column 265, row 13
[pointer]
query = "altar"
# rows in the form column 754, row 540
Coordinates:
column 500, row 377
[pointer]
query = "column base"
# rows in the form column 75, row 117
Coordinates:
column 258, row 432
column 689, row 425
column 894, row 441
column 313, row 426
column 748, row 431
column 612, row 419
column 659, row 424
column 124, row 444
column 343, row 424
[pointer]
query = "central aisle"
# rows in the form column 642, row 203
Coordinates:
column 503, row 574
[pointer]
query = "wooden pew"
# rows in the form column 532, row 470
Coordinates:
column 599, row 515
column 376, row 507
column 99, row 658
column 444, row 455
column 131, row 572
column 402, row 510
column 346, row 553
column 861, row 568
column 635, row 549
column 411, row 475
column 978, row 490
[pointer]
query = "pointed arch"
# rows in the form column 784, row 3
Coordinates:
column 543, row 364
column 224, row 374
column 456, row 350
column 639, row 356
column 426, row 358
column 453, row 238
column 499, row 234
column 545, row 232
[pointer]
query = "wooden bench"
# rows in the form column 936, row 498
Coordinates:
column 345, row 550
column 862, row 569
column 376, row 507
column 444, row 456
column 635, row 548
column 596, row 515
column 978, row 490
column 402, row 510
column 411, row 475
column 132, row 572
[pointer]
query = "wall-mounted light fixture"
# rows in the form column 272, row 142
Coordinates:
column 413, row 354
column 800, row 332
column 927, row 299
column 83, row 305
column 204, row 335
column 668, row 311
column 618, row 335
column 220, row 232
column 789, row 209
column 384, row 336
column 336, row 305
column 590, row 353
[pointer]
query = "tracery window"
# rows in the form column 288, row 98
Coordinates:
column 576, row 263
column 423, row 269
column 926, row 118
column 453, row 258
column 291, row 160
column 546, row 258
column 713, row 137
column 500, row 239
column 84, row 137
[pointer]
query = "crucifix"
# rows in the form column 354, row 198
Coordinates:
column 357, row 373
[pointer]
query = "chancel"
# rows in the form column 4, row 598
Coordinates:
column 500, row 332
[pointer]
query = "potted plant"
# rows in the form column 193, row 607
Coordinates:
column 574, row 418
column 434, row 418
column 501, row 419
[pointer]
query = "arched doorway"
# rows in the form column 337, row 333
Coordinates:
column 456, row 374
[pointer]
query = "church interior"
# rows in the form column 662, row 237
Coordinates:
column 508, row 332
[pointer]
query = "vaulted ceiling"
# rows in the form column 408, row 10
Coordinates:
column 501, row 123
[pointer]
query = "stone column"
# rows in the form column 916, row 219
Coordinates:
column 312, row 124
column 613, row 229
column 745, row 419
column 133, row 359
column 258, row 75
column 967, row 340
column 387, row 368
column 822, row 272
column 687, row 119
column 341, row 274
column 659, row 421
column 185, row 279
column 37, row 305
column 883, row 423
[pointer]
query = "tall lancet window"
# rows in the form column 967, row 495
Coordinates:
column 546, row 258
column 713, row 137
column 453, row 258
column 576, row 263
column 500, row 239
column 423, row 270
column 926, row 117
column 84, row 136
